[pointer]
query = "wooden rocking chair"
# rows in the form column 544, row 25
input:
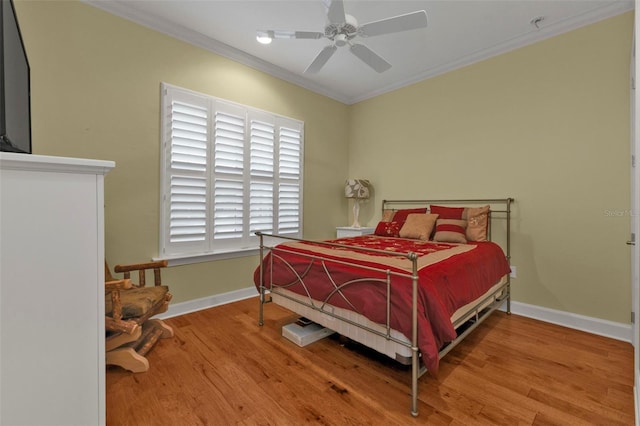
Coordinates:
column 128, row 308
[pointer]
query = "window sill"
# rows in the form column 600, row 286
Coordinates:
column 188, row 259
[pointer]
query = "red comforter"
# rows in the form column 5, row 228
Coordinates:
column 450, row 276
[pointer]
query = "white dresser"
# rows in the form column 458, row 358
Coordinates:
column 52, row 290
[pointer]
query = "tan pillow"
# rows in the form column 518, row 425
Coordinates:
column 418, row 226
column 387, row 215
column 477, row 223
column 450, row 231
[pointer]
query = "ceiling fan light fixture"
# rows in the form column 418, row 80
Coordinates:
column 264, row 37
column 341, row 40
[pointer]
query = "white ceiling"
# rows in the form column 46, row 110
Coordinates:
column 459, row 32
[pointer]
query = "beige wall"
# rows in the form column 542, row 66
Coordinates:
column 547, row 124
column 96, row 93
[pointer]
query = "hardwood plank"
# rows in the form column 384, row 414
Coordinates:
column 222, row 368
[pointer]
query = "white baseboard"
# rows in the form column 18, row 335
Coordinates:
column 614, row 330
column 176, row 309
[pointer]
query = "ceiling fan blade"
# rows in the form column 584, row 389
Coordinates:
column 409, row 21
column 336, row 11
column 370, row 57
column 297, row 34
column 308, row 34
column 283, row 34
column 321, row 59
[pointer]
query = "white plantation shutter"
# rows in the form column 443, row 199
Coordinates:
column 185, row 124
column 290, row 167
column 261, row 209
column 290, row 153
column 228, row 172
column 188, row 218
column 262, row 134
column 229, row 143
column 289, row 208
column 228, row 209
column 189, row 136
column 229, row 164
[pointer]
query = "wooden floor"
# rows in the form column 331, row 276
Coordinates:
column 222, row 369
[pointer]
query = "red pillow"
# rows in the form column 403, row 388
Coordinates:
column 388, row 229
column 450, row 231
column 447, row 212
column 401, row 215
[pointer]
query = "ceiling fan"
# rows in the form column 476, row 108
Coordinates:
column 341, row 29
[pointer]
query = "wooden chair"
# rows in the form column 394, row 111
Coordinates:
column 131, row 333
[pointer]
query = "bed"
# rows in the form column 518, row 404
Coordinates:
column 429, row 275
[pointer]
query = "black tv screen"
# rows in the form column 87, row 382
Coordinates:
column 15, row 96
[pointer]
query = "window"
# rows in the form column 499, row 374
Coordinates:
column 227, row 171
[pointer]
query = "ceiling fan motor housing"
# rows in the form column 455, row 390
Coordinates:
column 340, row 33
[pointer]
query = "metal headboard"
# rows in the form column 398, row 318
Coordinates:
column 500, row 210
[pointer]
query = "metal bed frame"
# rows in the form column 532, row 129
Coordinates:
column 471, row 318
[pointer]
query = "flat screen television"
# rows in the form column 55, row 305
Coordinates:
column 15, row 89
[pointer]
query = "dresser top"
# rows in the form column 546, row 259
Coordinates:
column 46, row 163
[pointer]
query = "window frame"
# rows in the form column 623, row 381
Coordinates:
column 248, row 244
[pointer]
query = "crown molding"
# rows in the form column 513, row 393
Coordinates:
column 548, row 31
column 121, row 9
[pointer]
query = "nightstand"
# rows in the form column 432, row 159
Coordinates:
column 348, row 231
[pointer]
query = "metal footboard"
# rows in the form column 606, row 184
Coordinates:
column 324, row 305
